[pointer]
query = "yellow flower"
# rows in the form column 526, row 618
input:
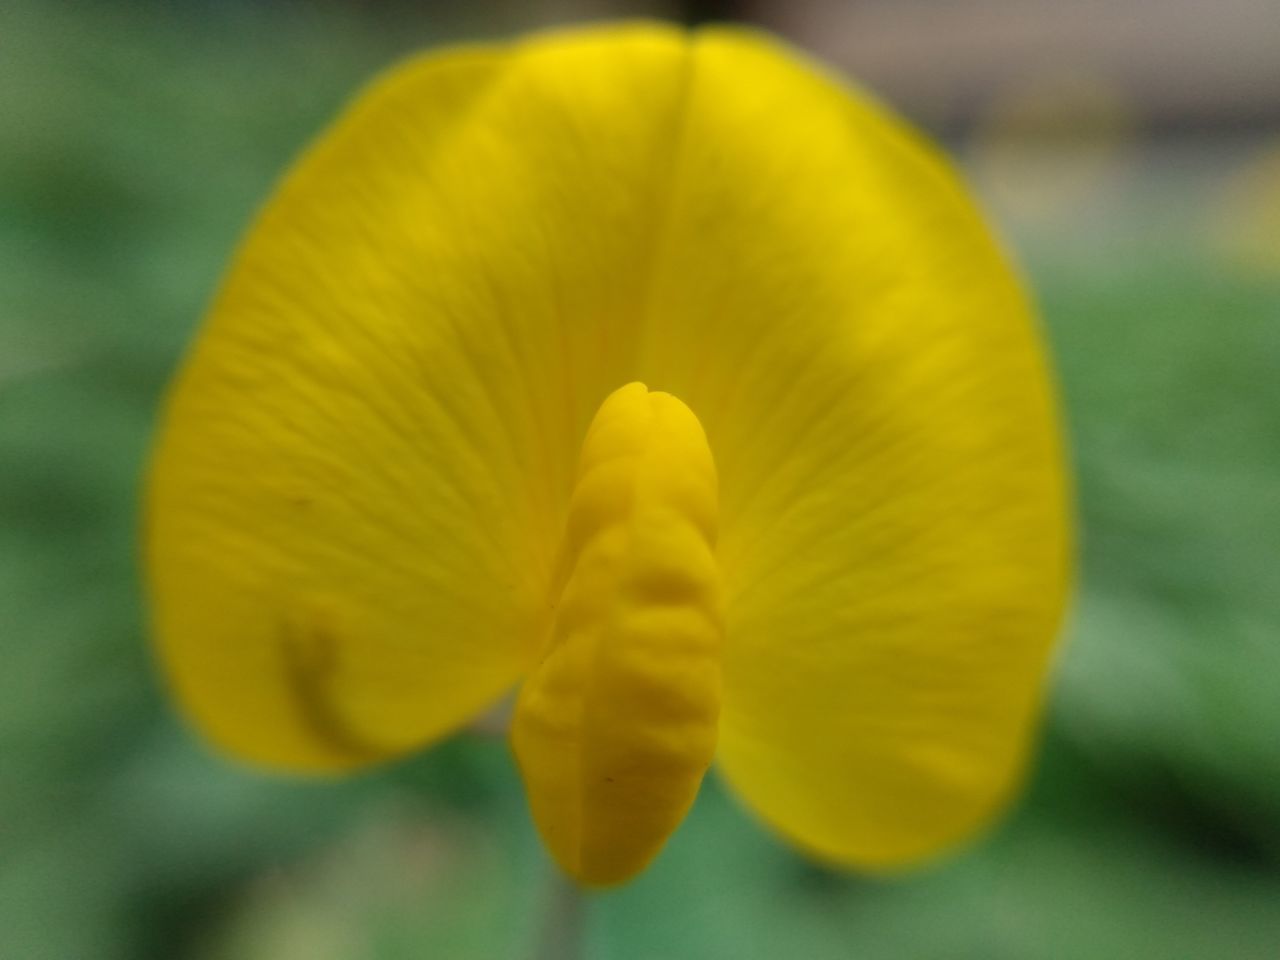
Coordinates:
column 662, row 375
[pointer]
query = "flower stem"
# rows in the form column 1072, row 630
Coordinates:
column 562, row 927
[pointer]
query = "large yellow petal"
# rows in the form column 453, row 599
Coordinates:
column 363, row 472
column 894, row 514
column 366, row 467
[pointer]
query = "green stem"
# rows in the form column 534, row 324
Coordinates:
column 561, row 936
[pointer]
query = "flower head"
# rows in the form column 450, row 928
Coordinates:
column 662, row 376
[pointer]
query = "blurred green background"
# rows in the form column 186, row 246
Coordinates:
column 135, row 142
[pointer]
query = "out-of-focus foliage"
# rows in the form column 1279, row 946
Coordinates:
column 133, row 148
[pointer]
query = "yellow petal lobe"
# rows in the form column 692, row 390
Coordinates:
column 615, row 727
column 895, row 530
column 362, row 474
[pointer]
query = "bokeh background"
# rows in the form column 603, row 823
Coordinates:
column 1130, row 153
